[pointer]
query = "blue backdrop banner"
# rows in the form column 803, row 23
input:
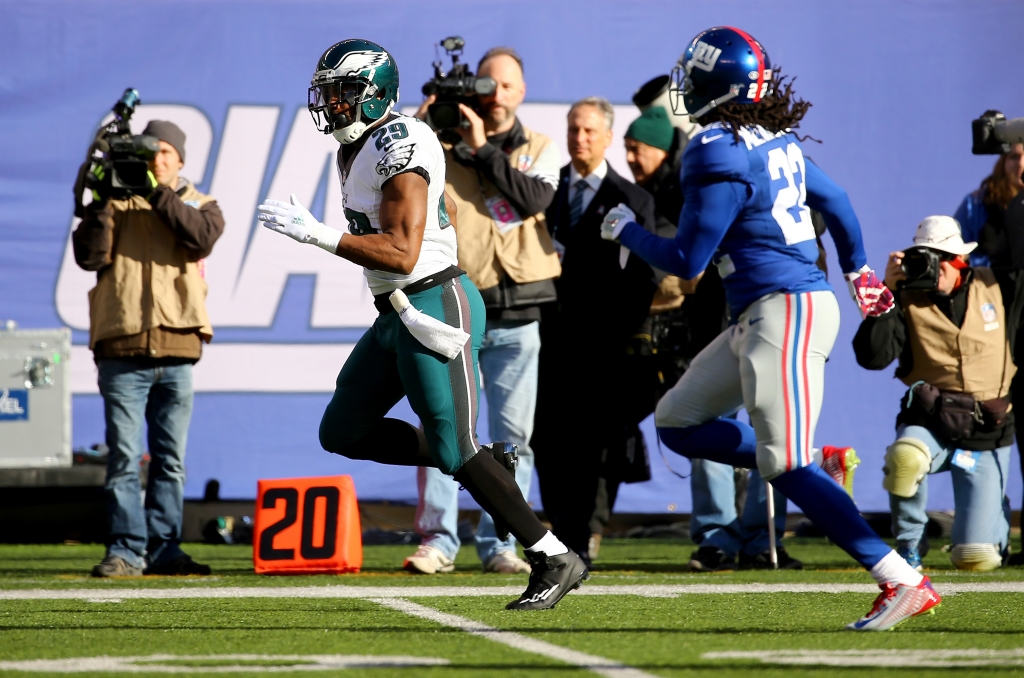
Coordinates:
column 894, row 85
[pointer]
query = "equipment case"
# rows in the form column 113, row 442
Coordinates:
column 35, row 398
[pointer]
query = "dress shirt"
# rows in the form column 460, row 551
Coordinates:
column 593, row 180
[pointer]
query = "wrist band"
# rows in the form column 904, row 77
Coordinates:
column 328, row 238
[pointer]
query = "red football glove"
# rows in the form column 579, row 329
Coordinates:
column 870, row 293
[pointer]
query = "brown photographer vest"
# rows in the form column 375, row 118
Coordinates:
column 972, row 359
column 485, row 253
column 152, row 281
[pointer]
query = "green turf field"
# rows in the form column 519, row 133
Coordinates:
column 54, row 620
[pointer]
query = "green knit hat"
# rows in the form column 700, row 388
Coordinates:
column 652, row 128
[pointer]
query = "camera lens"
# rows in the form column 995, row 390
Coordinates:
column 485, row 86
column 445, row 115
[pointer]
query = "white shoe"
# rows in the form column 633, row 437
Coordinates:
column 976, row 557
column 896, row 604
column 428, row 560
column 507, row 562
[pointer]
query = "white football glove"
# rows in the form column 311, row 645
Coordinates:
column 295, row 221
column 615, row 221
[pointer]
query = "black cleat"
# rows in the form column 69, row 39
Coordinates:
column 181, row 566
column 763, row 561
column 710, row 559
column 506, row 454
column 552, row 578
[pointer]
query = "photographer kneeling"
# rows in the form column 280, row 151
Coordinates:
column 952, row 328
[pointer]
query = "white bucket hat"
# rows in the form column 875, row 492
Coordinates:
column 942, row 233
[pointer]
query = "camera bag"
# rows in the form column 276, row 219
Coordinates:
column 955, row 415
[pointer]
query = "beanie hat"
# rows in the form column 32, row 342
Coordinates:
column 169, row 132
column 652, row 128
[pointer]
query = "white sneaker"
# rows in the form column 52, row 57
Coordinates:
column 428, row 560
column 896, row 604
column 507, row 562
column 976, row 557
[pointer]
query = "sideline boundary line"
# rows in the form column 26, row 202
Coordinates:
column 393, row 592
column 599, row 665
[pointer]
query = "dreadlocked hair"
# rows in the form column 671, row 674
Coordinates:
column 777, row 112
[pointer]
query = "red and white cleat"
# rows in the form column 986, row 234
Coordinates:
column 896, row 604
column 840, row 463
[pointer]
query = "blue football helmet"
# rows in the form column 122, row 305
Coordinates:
column 355, row 85
column 722, row 64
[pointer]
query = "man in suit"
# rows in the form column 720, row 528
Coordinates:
column 604, row 294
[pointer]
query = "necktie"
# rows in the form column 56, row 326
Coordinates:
column 576, row 204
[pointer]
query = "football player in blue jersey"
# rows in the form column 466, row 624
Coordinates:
column 749, row 190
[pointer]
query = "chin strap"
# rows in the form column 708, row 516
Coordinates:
column 351, row 133
column 734, row 92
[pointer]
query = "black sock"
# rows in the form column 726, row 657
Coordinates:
column 391, row 441
column 497, row 493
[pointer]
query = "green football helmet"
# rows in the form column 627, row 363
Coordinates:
column 355, row 85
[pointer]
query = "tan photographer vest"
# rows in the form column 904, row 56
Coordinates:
column 485, row 253
column 972, row 359
column 152, row 281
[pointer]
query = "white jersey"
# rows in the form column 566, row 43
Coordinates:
column 400, row 144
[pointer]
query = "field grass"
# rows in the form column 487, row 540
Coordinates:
column 978, row 633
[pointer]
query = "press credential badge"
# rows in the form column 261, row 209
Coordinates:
column 504, row 215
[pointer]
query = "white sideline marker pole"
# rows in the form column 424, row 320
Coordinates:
column 773, row 555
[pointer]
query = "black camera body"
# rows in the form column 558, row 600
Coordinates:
column 993, row 134
column 457, row 86
column 921, row 266
column 122, row 157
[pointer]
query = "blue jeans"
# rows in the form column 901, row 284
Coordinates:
column 161, row 397
column 714, row 521
column 508, row 365
column 979, row 496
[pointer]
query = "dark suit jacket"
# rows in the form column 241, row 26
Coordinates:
column 583, row 390
column 593, row 287
column 600, row 306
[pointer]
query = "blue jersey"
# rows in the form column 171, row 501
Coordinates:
column 747, row 210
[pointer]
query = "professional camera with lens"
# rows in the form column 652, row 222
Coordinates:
column 921, row 266
column 993, row 134
column 457, row 86
column 118, row 161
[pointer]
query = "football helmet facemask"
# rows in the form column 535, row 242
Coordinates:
column 355, row 85
column 722, row 64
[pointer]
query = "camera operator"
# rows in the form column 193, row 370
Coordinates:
column 952, row 328
column 147, row 325
column 982, row 212
column 502, row 176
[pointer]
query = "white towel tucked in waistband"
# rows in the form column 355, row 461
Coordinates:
column 429, row 331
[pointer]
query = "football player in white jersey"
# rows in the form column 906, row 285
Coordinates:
column 424, row 343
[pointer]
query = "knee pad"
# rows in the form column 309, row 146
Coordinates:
column 976, row 557
column 907, row 462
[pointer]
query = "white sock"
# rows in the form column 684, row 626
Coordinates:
column 549, row 546
column 893, row 569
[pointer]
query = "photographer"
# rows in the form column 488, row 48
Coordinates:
column 952, row 328
column 501, row 176
column 147, row 325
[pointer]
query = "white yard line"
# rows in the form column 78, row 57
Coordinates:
column 599, row 665
column 648, row 591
